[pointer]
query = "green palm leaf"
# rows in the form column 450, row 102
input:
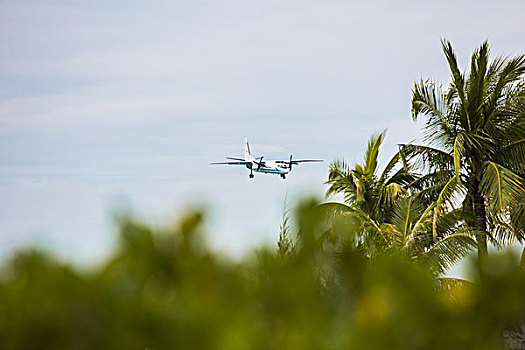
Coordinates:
column 500, row 185
column 449, row 250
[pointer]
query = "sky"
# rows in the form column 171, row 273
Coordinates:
column 112, row 106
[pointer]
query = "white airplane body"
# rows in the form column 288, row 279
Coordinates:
column 258, row 165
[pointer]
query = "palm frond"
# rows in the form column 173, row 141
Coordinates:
column 372, row 152
column 390, row 193
column 450, row 250
column 429, row 100
column 402, row 219
column 449, row 283
column 340, row 179
column 422, row 225
column 501, row 231
column 444, row 195
column 517, row 217
column 331, row 209
column 459, row 152
column 402, row 177
column 500, row 185
column 450, row 222
column 396, row 159
column 476, row 85
column 507, row 75
column 429, row 186
column 458, row 83
column 426, row 157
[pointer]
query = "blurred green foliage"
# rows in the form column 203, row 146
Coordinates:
column 165, row 290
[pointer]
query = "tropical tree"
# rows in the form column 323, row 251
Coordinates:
column 366, row 190
column 409, row 233
column 389, row 213
column 368, row 197
column 476, row 141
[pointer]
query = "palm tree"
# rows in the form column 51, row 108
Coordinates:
column 476, row 139
column 408, row 233
column 363, row 188
column 368, row 196
column 380, row 214
column 411, row 233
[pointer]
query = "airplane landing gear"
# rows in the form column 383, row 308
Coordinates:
column 283, row 176
column 250, row 176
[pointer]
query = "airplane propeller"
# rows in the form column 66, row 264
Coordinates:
column 290, row 162
column 259, row 163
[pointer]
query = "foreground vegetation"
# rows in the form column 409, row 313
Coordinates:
column 365, row 273
column 166, row 290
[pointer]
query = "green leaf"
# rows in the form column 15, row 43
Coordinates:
column 444, row 195
column 500, row 185
column 459, row 151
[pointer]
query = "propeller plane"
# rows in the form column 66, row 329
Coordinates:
column 259, row 165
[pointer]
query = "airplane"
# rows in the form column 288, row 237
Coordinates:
column 279, row 167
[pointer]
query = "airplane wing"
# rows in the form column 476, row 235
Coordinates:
column 307, row 160
column 232, row 163
column 297, row 161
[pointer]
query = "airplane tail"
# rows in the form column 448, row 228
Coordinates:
column 247, row 152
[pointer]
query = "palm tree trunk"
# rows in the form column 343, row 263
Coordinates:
column 480, row 219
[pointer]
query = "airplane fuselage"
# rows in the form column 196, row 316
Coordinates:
column 269, row 167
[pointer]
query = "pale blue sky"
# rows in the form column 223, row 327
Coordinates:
column 105, row 104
